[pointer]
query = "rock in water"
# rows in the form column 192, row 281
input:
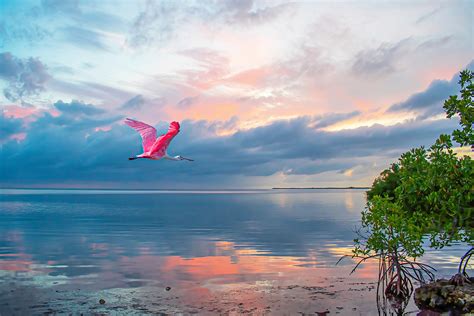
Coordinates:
column 443, row 296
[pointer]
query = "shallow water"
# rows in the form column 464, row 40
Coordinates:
column 254, row 251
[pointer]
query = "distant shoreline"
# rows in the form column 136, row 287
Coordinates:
column 323, row 188
column 202, row 190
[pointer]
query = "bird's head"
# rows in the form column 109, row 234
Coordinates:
column 183, row 158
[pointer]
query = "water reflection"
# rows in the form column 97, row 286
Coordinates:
column 196, row 243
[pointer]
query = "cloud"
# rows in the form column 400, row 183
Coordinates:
column 84, row 38
column 103, row 21
column 155, row 23
column 435, row 43
column 388, row 57
column 25, row 77
column 67, row 6
column 333, row 118
column 431, row 100
column 134, row 103
column 305, row 69
column 28, row 31
column 428, row 15
column 187, row 102
column 99, row 91
column 296, row 139
column 83, row 14
column 89, row 17
column 291, row 147
column 432, row 97
column 246, row 73
column 248, row 12
column 70, row 119
column 9, row 126
column 63, row 70
column 381, row 60
column 161, row 21
column 77, row 108
column 211, row 67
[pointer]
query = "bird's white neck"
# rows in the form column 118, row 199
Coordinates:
column 176, row 158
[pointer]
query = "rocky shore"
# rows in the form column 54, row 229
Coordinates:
column 444, row 296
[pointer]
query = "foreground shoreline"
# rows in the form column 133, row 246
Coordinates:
column 342, row 297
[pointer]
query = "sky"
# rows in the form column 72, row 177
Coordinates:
column 268, row 93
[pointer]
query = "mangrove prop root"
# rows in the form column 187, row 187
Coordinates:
column 465, row 261
column 396, row 276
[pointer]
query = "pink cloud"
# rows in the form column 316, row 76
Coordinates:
column 103, row 128
column 251, row 77
column 18, row 137
column 16, row 111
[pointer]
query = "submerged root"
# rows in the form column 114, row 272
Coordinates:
column 396, row 276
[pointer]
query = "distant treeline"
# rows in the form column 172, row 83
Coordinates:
column 324, row 188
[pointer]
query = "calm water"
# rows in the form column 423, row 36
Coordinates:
column 128, row 246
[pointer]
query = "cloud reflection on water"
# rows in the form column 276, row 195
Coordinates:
column 195, row 243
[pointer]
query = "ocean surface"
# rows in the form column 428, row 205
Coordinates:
column 204, row 252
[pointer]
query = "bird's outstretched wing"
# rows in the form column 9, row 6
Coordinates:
column 162, row 142
column 147, row 132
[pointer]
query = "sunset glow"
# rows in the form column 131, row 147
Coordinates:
column 244, row 78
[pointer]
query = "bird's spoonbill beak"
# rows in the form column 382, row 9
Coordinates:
column 188, row 159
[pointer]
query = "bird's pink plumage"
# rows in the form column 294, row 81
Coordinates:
column 147, row 132
column 153, row 146
column 162, row 142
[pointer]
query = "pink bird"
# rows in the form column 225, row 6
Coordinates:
column 153, row 147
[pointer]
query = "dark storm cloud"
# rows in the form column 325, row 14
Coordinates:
column 25, row 77
column 70, row 148
column 430, row 101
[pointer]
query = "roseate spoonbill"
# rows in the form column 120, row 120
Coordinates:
column 155, row 147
